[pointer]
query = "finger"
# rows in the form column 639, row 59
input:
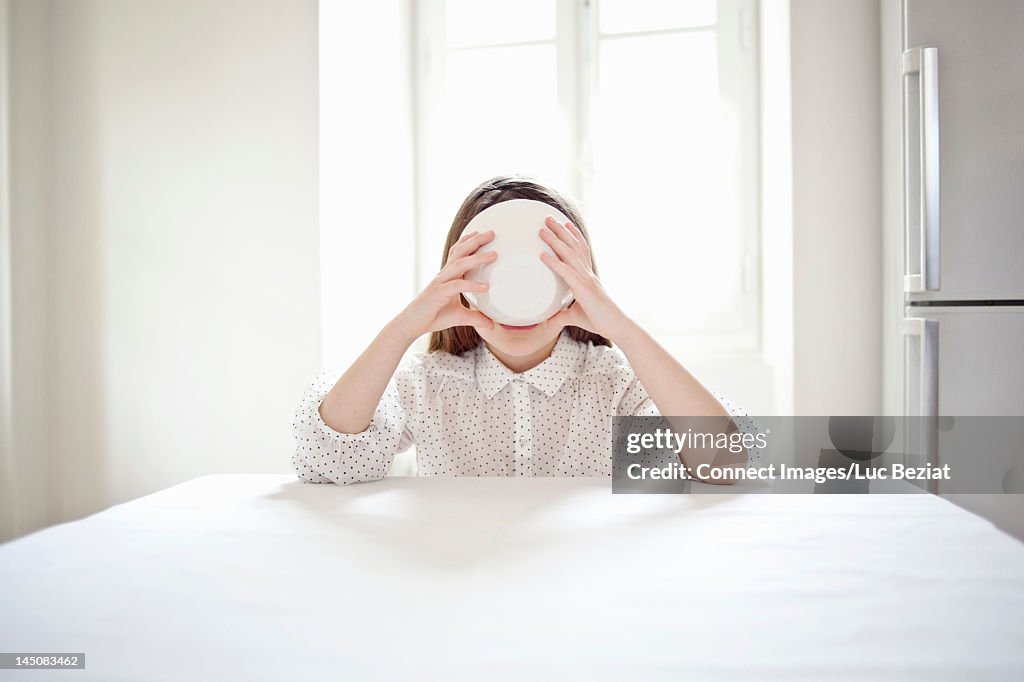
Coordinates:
column 564, row 251
column 458, row 286
column 579, row 242
column 464, row 237
column 458, row 246
column 461, row 266
column 571, row 276
column 563, row 233
column 469, row 243
column 578, row 233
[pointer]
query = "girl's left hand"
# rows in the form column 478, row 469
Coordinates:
column 593, row 309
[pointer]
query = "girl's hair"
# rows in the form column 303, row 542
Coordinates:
column 458, row 340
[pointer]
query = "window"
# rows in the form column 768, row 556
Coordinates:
column 646, row 111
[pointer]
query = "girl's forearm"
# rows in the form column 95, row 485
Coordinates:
column 672, row 388
column 676, row 393
column 351, row 402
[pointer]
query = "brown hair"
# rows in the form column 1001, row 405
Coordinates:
column 458, row 340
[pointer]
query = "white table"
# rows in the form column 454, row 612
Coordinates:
column 262, row 577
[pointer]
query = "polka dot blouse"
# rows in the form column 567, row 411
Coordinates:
column 470, row 415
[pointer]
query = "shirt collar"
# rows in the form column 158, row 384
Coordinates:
column 566, row 359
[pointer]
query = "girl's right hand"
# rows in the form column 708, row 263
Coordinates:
column 439, row 306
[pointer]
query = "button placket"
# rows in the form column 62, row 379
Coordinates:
column 522, row 435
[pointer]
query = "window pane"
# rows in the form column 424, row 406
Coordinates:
column 666, row 188
column 621, row 16
column 489, row 22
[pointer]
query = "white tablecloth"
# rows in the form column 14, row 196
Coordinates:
column 261, row 577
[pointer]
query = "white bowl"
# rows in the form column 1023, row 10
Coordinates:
column 523, row 289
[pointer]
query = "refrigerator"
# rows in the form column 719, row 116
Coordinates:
column 953, row 224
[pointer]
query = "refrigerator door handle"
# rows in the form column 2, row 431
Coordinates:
column 924, row 61
column 927, row 438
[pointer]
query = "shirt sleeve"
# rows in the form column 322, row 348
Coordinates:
column 636, row 402
column 323, row 455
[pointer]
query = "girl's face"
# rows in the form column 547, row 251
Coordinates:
column 521, row 342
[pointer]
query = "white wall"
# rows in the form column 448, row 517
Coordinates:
column 890, row 69
column 821, row 205
column 27, row 467
column 182, row 308
column 836, row 165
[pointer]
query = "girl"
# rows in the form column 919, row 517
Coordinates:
column 486, row 399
